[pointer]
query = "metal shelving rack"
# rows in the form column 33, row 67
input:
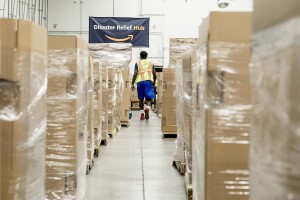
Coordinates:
column 32, row 10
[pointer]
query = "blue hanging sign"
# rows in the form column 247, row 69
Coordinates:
column 119, row 29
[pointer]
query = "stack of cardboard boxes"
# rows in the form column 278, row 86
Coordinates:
column 97, row 104
column 178, row 47
column 168, row 125
column 112, row 99
column 223, row 103
column 275, row 160
column 188, row 111
column 23, row 83
column 66, row 141
column 104, row 92
column 119, row 97
column 134, row 100
column 90, row 126
column 125, row 106
column 159, row 90
column 116, row 57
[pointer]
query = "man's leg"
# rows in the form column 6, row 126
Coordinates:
column 141, row 103
column 141, row 94
column 149, row 94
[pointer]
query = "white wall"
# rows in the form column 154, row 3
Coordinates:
column 168, row 18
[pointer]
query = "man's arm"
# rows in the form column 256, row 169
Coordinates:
column 135, row 74
column 134, row 77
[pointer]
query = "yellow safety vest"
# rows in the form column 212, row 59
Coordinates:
column 144, row 71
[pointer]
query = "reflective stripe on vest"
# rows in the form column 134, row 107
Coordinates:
column 144, row 71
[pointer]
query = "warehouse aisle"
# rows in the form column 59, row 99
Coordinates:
column 136, row 165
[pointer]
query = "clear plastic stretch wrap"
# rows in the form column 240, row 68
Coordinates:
column 168, row 122
column 97, row 100
column 275, row 138
column 125, row 104
column 222, row 126
column 178, row 154
column 119, row 91
column 23, row 127
column 91, row 142
column 115, row 57
column 23, row 85
column 67, row 124
column 180, row 47
column 112, row 98
column 188, row 112
column 104, row 92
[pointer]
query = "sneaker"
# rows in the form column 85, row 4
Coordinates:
column 142, row 116
column 147, row 113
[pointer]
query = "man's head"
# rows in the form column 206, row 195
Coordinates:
column 143, row 54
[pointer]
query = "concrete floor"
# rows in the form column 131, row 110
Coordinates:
column 136, row 165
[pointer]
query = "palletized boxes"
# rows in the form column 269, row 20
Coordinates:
column 169, row 102
column 159, row 83
column 90, row 126
column 125, row 106
column 97, row 101
column 120, row 86
column 23, row 84
column 104, row 91
column 178, row 46
column 223, row 108
column 66, row 140
column 115, row 57
column 187, row 66
column 112, row 99
column 275, row 139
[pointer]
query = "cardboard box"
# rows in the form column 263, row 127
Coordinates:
column 90, row 125
column 225, row 27
column 111, row 128
column 125, row 105
column 135, row 105
column 67, row 133
column 275, row 139
column 133, row 96
column 169, row 75
column 22, row 169
column 178, row 47
column 159, row 97
column 125, row 115
column 222, row 124
column 126, row 91
column 169, row 101
column 187, row 65
column 280, row 13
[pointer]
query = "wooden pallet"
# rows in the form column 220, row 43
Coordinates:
column 169, row 135
column 125, row 123
column 113, row 133
column 96, row 152
column 89, row 166
column 104, row 142
column 135, row 108
column 180, row 166
column 118, row 128
column 189, row 192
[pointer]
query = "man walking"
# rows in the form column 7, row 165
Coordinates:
column 145, row 77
